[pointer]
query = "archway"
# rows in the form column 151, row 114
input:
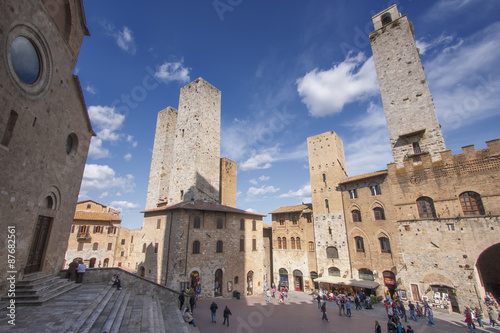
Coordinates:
column 106, row 262
column 283, row 278
column 92, row 262
column 389, row 282
column 142, row 271
column 488, row 266
column 194, row 279
column 297, row 280
column 218, row 283
column 250, row 283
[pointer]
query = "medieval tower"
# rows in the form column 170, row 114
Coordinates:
column 327, row 169
column 409, row 109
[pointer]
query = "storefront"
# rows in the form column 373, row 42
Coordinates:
column 338, row 285
column 283, row 278
column 442, row 297
column 298, row 280
column 389, row 283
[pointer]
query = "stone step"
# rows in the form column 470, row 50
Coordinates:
column 111, row 318
column 120, row 315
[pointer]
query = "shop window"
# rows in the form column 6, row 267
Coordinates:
column 332, row 252
column 425, row 207
column 242, row 244
column 471, row 203
column 220, row 223
column 197, row 222
column 379, row 213
column 360, row 245
column 220, row 247
column 333, row 271
column 356, row 215
column 385, row 245
column 196, row 247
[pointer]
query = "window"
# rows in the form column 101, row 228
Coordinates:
column 281, row 219
column 254, row 244
column 236, row 280
column 279, row 243
column 366, row 274
column 219, row 223
column 451, row 226
column 332, row 252
column 425, row 207
column 284, row 243
column 89, row 206
column 416, row 148
column 123, row 241
column 242, row 224
column 112, row 230
column 95, row 246
column 197, row 222
column 144, row 248
column 333, row 271
column 360, row 245
column 131, row 239
column 379, row 213
column 122, row 254
column 385, row 245
column 25, row 59
column 156, row 247
column 356, row 215
column 471, row 203
column 353, row 194
column 254, row 225
column 294, row 219
column 308, row 218
column 110, row 246
column 292, row 243
column 220, row 247
column 158, row 224
column 311, row 247
column 386, row 18
column 73, row 229
column 106, row 262
column 327, row 206
column 298, row 243
column 196, row 247
column 324, row 178
column 98, row 229
column 80, row 247
column 83, row 229
column 375, row 190
column 242, row 244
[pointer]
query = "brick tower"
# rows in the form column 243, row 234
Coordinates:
column 409, row 109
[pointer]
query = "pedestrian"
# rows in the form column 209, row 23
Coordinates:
column 72, row 270
column 265, row 286
column 357, row 303
column 274, row 290
column 426, row 306
column 227, row 313
column 181, row 299
column 213, row 311
column 479, row 316
column 391, row 327
column 409, row 330
column 468, row 319
column 390, row 314
column 430, row 316
column 80, row 271
column 419, row 310
column 342, row 304
column 400, row 328
column 323, row 309
column 378, row 329
column 348, row 307
column 339, row 304
column 268, row 296
column 402, row 311
column 188, row 317
column 117, row 281
column 413, row 315
column 286, row 291
column 192, row 302
column 491, row 315
column 282, row 297
column 318, row 298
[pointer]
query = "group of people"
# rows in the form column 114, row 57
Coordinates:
column 396, row 312
column 283, row 293
column 76, row 270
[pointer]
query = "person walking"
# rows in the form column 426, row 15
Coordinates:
column 348, row 307
column 339, row 304
column 491, row 315
column 378, row 329
column 192, row 302
column 342, row 304
column 409, row 329
column 80, row 271
column 400, row 328
column 226, row 314
column 72, row 270
column 430, row 316
column 268, row 296
column 318, row 298
column 323, row 310
column 274, row 291
column 182, row 298
column 413, row 315
column 357, row 303
column 402, row 311
column 479, row 316
column 468, row 319
column 286, row 292
column 213, row 311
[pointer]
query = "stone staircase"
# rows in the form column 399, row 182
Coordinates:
column 37, row 288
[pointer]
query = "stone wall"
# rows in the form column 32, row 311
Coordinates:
column 227, row 191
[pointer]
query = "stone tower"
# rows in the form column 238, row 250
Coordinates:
column 327, row 169
column 227, row 191
column 186, row 162
column 409, row 109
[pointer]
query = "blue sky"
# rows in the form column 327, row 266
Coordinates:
column 287, row 70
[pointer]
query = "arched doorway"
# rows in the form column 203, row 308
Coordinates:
column 283, row 278
column 250, row 283
column 389, row 282
column 218, row 283
column 297, row 280
column 106, row 262
column 92, row 262
column 314, row 276
column 142, row 271
column 194, row 281
column 488, row 266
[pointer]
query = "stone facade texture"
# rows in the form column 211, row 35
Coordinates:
column 228, row 170
column 45, row 133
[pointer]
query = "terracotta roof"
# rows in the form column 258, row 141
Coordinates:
column 88, row 215
column 201, row 205
column 296, row 208
column 366, row 175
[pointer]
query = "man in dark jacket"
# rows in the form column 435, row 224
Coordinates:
column 72, row 269
column 192, row 302
column 227, row 313
column 213, row 310
column 181, row 299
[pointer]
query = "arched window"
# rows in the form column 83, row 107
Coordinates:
column 279, row 243
column 196, row 247
column 471, row 203
column 332, row 252
column 242, row 224
column 254, row 243
column 95, row 246
column 219, row 247
column 385, row 245
column 360, row 245
column 425, row 207
column 333, row 271
column 284, row 243
column 327, row 206
column 242, row 244
column 144, row 247
column 379, row 213
column 366, row 274
column 311, row 247
column 236, row 280
column 292, row 243
column 220, row 223
column 298, row 243
column 254, row 225
column 197, row 222
column 386, row 18
column 106, row 262
column 356, row 215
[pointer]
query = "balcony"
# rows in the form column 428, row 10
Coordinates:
column 83, row 236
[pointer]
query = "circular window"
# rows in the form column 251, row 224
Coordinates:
column 25, row 60
column 71, row 144
column 28, row 60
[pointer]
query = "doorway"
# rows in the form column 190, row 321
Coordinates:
column 92, row 262
column 415, row 293
column 297, row 279
column 250, row 283
column 218, row 283
column 488, row 266
column 38, row 245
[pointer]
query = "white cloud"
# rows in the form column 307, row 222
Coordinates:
column 303, row 193
column 128, row 157
column 123, row 205
column 125, row 40
column 253, row 181
column 253, row 191
column 102, row 178
column 173, row 71
column 264, row 178
column 251, row 210
column 326, row 92
column 424, row 46
column 90, row 89
column 264, row 158
column 103, row 195
column 130, row 139
column 96, row 150
column 107, row 122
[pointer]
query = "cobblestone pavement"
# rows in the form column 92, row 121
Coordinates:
column 300, row 313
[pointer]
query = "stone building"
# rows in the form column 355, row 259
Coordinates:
column 95, row 235
column 45, row 131
column 294, row 252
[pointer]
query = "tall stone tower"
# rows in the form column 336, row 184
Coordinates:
column 327, row 169
column 409, row 109
column 227, row 191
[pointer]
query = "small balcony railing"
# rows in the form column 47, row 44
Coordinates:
column 83, row 236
